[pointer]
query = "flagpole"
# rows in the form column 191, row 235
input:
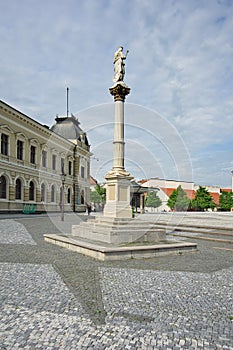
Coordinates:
column 67, row 102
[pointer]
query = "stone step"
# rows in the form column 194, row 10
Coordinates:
column 115, row 229
column 119, row 222
column 102, row 251
column 131, row 231
column 210, row 230
column 193, row 227
column 126, row 227
column 196, row 231
column 206, row 237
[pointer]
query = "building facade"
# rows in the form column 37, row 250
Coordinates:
column 39, row 167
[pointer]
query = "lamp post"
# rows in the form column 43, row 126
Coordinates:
column 63, row 177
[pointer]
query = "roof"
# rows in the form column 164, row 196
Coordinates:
column 168, row 192
column 9, row 109
column 26, row 116
column 135, row 187
column 69, row 128
column 158, row 178
column 93, row 182
column 225, row 190
column 142, row 181
column 191, row 194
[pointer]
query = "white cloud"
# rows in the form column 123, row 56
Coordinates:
column 179, row 64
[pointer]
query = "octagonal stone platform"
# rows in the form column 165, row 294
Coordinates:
column 119, row 239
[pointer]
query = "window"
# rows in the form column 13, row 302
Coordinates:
column 4, row 144
column 68, row 196
column 19, row 150
column 70, row 168
column 31, row 191
column 54, row 161
column 82, row 197
column 78, row 196
column 44, row 159
column 33, row 155
column 3, row 187
column 42, row 192
column 18, row 189
column 82, row 172
column 62, row 165
column 52, row 193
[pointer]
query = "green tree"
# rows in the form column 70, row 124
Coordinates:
column 98, row 195
column 178, row 200
column 153, row 200
column 203, row 200
column 226, row 201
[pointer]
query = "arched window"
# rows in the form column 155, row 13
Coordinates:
column 18, row 189
column 68, row 196
column 53, row 193
column 3, row 187
column 31, row 191
column 42, row 192
column 82, row 197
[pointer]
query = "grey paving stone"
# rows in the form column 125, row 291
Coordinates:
column 12, row 232
column 52, row 298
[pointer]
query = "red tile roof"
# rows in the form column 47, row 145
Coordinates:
column 93, row 182
column 225, row 189
column 168, row 191
column 142, row 181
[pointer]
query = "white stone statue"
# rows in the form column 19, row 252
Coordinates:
column 119, row 66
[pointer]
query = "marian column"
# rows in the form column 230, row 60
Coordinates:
column 118, row 179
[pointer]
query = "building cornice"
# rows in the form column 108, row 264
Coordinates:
column 27, row 121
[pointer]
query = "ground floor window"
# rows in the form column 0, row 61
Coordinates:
column 53, row 193
column 18, row 189
column 43, row 193
column 82, row 197
column 68, row 196
column 31, row 191
column 3, row 186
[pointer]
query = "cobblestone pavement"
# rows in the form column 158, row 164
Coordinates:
column 52, row 298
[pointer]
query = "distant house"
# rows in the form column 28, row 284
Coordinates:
column 93, row 183
column 225, row 190
column 164, row 189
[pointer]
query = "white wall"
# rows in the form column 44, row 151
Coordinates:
column 156, row 182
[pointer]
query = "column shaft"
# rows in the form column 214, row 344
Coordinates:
column 119, row 144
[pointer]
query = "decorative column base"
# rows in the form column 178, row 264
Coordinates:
column 118, row 194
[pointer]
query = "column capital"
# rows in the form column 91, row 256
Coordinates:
column 119, row 90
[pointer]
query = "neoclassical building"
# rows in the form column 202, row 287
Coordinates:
column 41, row 166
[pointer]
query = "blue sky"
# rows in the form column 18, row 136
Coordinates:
column 179, row 114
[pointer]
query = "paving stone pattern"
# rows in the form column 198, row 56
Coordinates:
column 12, row 232
column 180, row 307
column 52, row 298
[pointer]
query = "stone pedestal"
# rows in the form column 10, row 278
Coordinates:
column 118, row 195
column 117, row 231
